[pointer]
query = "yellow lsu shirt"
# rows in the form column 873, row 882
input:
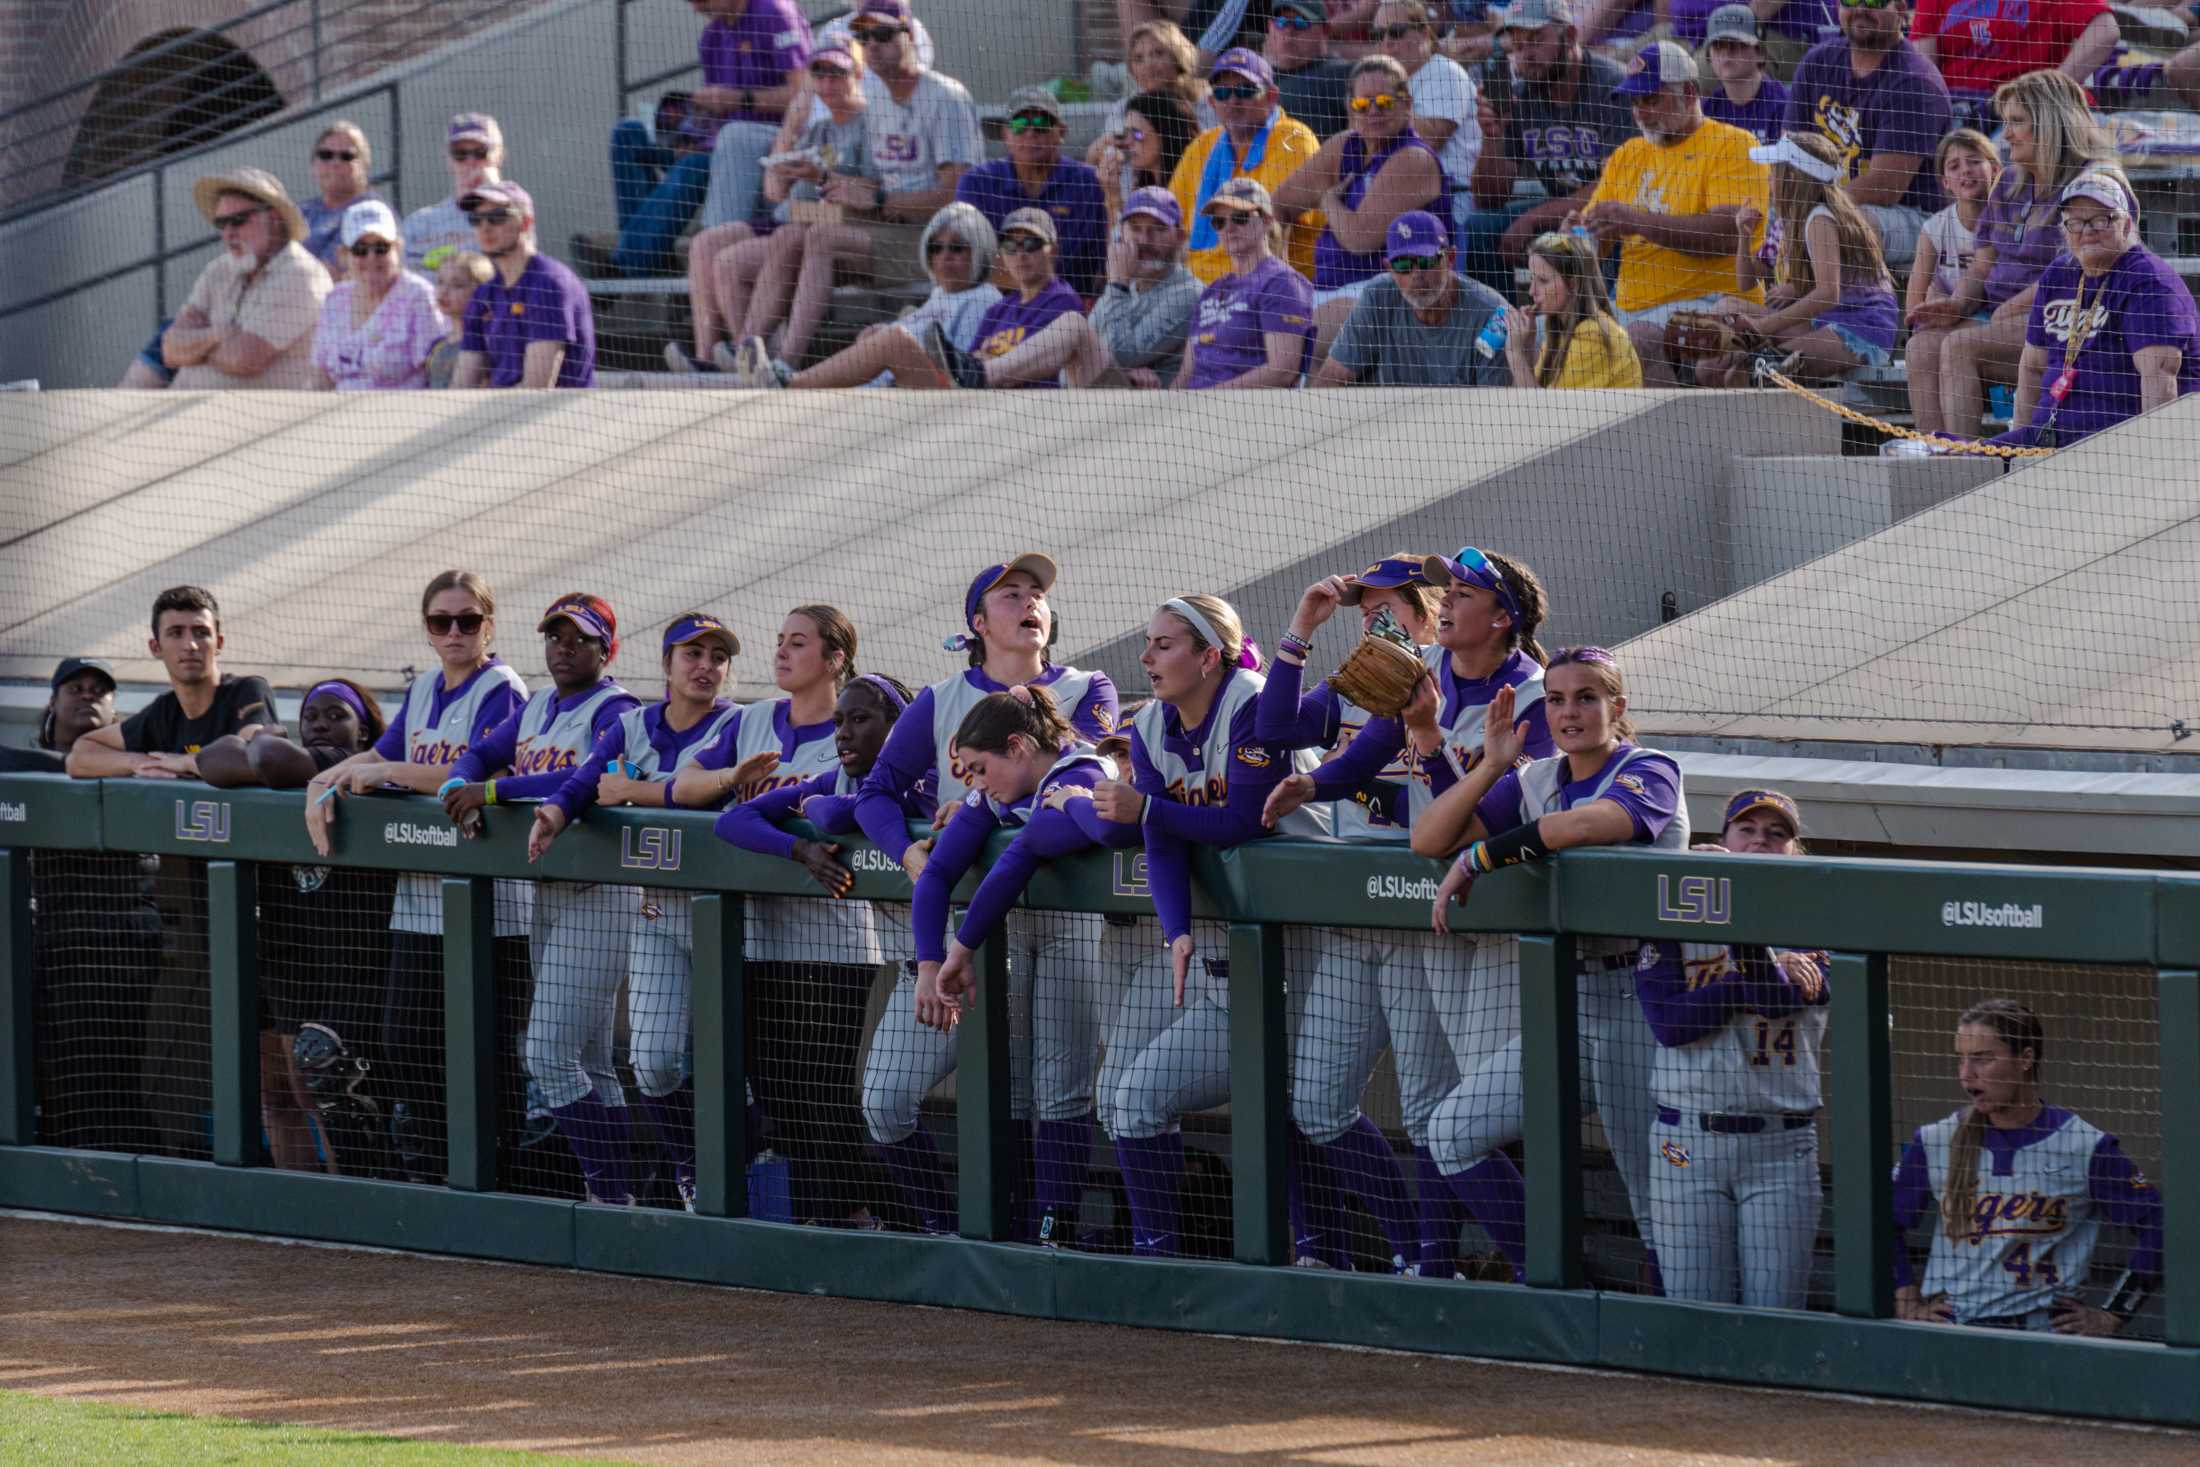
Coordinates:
column 1704, row 170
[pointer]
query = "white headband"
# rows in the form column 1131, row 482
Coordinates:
column 1797, row 157
column 1190, row 613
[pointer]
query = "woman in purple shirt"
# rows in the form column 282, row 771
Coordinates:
column 1961, row 342
column 1255, row 326
column 1361, row 180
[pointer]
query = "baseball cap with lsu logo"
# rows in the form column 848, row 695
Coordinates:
column 1779, row 804
column 475, row 127
column 1245, row 62
column 587, row 619
column 1040, row 568
column 700, row 626
column 1416, row 232
column 1659, row 65
column 1385, row 575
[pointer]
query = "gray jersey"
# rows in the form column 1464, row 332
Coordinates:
column 1353, row 818
column 1463, row 733
column 1541, row 784
column 1203, row 777
column 440, row 738
column 954, row 697
column 639, row 751
column 910, row 142
column 555, row 740
column 1563, row 145
column 1753, row 1066
column 2034, row 1225
column 799, row 929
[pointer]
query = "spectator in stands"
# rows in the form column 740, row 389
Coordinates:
column 2113, row 331
column 458, row 274
column 1747, row 96
column 1313, row 87
column 474, row 153
column 1978, row 47
column 1446, row 110
column 1035, row 299
column 1362, row 180
column 1832, row 307
column 1160, row 58
column 1545, row 139
column 1976, row 335
column 2168, row 86
column 341, row 163
column 774, row 256
column 1215, row 25
column 1035, row 175
column 1969, row 166
column 922, row 132
column 1785, row 29
column 80, row 698
column 1257, row 140
column 380, row 326
column 1417, row 326
column 1620, row 28
column 162, row 740
column 531, row 325
column 957, row 251
column 1254, row 327
column 249, row 321
column 1156, row 133
column 1670, row 200
column 1135, row 332
column 1885, row 107
column 1574, row 339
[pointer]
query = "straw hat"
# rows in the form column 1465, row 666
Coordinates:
column 253, row 183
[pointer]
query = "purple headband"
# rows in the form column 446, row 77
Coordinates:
column 1585, row 654
column 342, row 691
column 884, row 689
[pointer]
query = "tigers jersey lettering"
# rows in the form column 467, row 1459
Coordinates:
column 551, row 738
column 1756, row 1065
column 1202, row 777
column 2033, row 1223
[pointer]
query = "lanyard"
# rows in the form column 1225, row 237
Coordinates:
column 2073, row 343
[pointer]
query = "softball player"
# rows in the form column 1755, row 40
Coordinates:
column 446, row 711
column 1023, row 760
column 2021, row 1188
column 1199, row 776
column 1009, row 627
column 1599, row 789
column 1442, row 1007
column 806, row 1056
column 1734, row 1187
column 634, row 764
column 581, row 929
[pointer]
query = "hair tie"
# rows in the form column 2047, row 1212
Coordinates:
column 1249, row 655
column 884, row 689
column 343, row 691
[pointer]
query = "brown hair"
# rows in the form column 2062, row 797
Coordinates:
column 1579, row 266
column 1969, row 138
column 2019, row 1028
column 1420, row 595
column 1223, row 617
column 473, row 262
column 1170, row 37
column 998, row 717
column 1535, row 602
column 838, row 634
column 186, row 598
column 345, row 127
column 1604, row 671
column 474, row 584
column 1796, row 195
column 1389, row 66
column 2066, row 137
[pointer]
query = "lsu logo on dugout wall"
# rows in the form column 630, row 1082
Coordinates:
column 651, row 848
column 1703, row 899
column 203, row 820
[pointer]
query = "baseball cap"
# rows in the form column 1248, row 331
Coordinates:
column 1472, row 567
column 2103, row 189
column 1732, row 23
column 584, row 617
column 1416, row 232
column 1656, row 66
column 835, row 52
column 1247, row 194
column 1314, row 10
column 1745, row 801
column 1034, row 99
column 1533, row 15
column 369, row 217
column 1385, row 575
column 1244, row 62
column 701, row 626
column 1040, row 568
column 71, row 666
column 1155, row 202
column 891, row 9
column 478, row 127
column 1030, row 221
column 504, row 192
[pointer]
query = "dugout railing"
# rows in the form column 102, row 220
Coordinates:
column 1861, row 911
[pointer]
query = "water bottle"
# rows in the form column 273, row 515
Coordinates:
column 1491, row 341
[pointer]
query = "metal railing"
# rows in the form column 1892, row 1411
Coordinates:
column 1860, row 911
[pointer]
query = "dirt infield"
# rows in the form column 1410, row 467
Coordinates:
column 673, row 1373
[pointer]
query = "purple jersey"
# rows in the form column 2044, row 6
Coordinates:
column 1902, row 107
column 753, row 53
column 1011, row 321
column 1648, row 790
column 1334, row 265
column 1805, row 20
column 2139, row 303
column 2022, row 227
column 1072, row 199
column 547, row 303
column 1762, row 118
column 1235, row 315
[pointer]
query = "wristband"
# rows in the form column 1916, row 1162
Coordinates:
column 1509, row 849
column 1293, row 642
column 489, row 793
column 448, row 785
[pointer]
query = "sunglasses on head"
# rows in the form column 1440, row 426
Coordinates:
column 1482, row 571
column 1407, row 264
column 465, row 154
column 1292, row 22
column 238, row 219
column 945, row 247
column 467, row 622
column 1235, row 91
column 1021, row 244
column 335, row 155
column 1381, row 102
column 1032, row 122
column 490, row 216
column 368, row 247
column 876, row 35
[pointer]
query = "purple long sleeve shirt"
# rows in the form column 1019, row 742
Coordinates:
column 496, row 749
column 1045, row 835
column 579, row 791
column 1680, row 1014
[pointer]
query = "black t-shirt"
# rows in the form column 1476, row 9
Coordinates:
column 160, row 727
column 1251, row 31
column 1317, row 95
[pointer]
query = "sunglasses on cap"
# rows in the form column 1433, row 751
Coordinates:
column 469, row 152
column 1235, row 91
column 876, row 35
column 945, row 247
column 239, row 219
column 1482, row 571
column 1381, row 102
column 368, row 247
column 1024, row 122
column 335, row 155
column 1407, row 264
column 1020, row 243
column 1292, row 22
column 491, row 216
column 441, row 622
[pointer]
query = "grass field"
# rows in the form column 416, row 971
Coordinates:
column 39, row 1430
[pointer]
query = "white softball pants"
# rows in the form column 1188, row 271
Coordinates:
column 580, row 937
column 1736, row 1215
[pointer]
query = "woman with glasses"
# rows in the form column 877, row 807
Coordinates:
column 1254, row 327
column 1572, row 339
column 1361, row 180
column 1155, row 132
column 381, row 323
column 447, row 709
column 341, row 162
column 1445, row 101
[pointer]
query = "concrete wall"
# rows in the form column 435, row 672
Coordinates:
column 1849, row 498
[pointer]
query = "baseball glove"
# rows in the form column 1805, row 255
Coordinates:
column 1695, row 336
column 1380, row 674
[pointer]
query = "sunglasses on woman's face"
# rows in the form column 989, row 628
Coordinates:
column 1381, row 102
column 467, row 622
column 335, row 155
column 368, row 247
column 1021, row 244
column 1234, row 91
column 879, row 35
column 945, row 247
column 469, row 155
column 832, row 73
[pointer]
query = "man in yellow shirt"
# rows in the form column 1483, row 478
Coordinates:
column 1256, row 140
column 1669, row 200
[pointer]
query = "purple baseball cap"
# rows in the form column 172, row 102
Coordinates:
column 506, row 193
column 1247, row 63
column 477, row 127
column 1745, row 801
column 890, row 9
column 1040, row 568
column 701, row 626
column 585, row 618
column 1155, row 202
column 1385, row 575
column 1656, row 66
column 836, row 53
column 1473, row 568
column 1416, row 232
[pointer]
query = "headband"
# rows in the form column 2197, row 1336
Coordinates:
column 1797, row 157
column 884, row 689
column 341, row 690
column 1248, row 649
column 1596, row 655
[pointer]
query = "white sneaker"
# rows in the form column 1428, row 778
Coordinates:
column 722, row 357
column 752, row 362
column 677, row 359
